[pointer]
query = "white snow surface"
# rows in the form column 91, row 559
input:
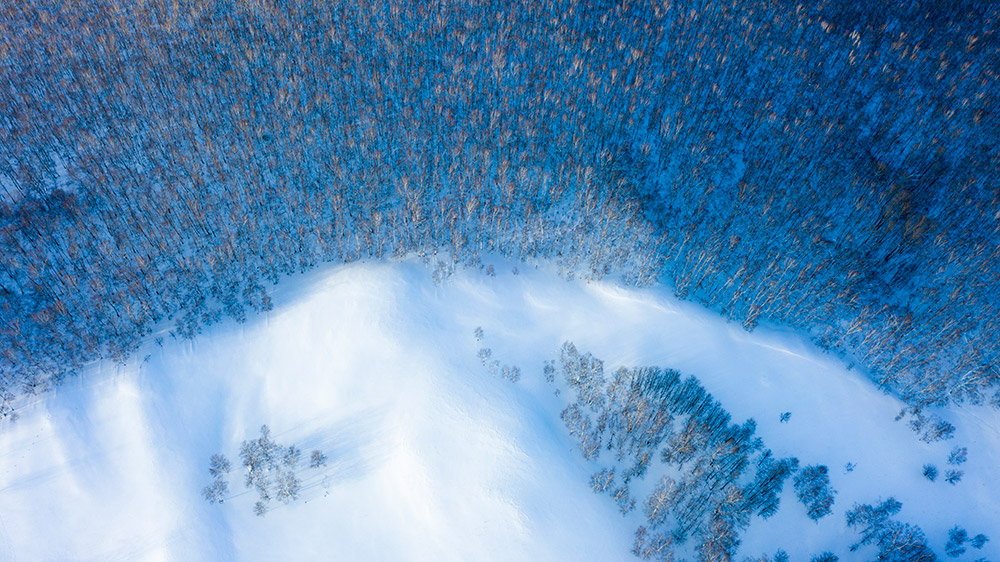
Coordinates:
column 432, row 457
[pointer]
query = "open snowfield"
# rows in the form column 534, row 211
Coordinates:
column 430, row 456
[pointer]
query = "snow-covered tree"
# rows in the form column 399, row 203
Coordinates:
column 812, row 486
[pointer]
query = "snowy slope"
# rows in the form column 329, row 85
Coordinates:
column 431, row 457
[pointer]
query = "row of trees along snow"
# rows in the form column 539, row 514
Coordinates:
column 826, row 167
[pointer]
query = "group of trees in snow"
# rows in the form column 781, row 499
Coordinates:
column 269, row 470
column 930, row 427
column 665, row 447
column 670, row 450
column 957, row 457
column 511, row 373
column 895, row 541
column 957, row 539
column 826, row 167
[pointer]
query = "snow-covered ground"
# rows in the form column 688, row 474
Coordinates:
column 432, row 457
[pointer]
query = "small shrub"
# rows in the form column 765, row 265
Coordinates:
column 219, row 465
column 979, row 541
column 292, row 456
column 624, row 499
column 958, row 455
column 216, row 491
column 953, row 476
column 317, row 459
column 930, row 472
column 484, row 355
column 550, row 372
column 603, row 480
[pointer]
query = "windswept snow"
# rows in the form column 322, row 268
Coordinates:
column 431, row 457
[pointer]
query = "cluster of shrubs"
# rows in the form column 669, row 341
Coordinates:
column 511, row 373
column 957, row 457
column 270, row 471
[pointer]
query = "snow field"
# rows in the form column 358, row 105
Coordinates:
column 431, row 457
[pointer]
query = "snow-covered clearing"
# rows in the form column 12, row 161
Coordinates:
column 431, row 457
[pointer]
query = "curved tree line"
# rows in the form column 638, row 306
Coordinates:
column 813, row 166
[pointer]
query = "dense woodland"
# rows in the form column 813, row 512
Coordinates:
column 828, row 166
